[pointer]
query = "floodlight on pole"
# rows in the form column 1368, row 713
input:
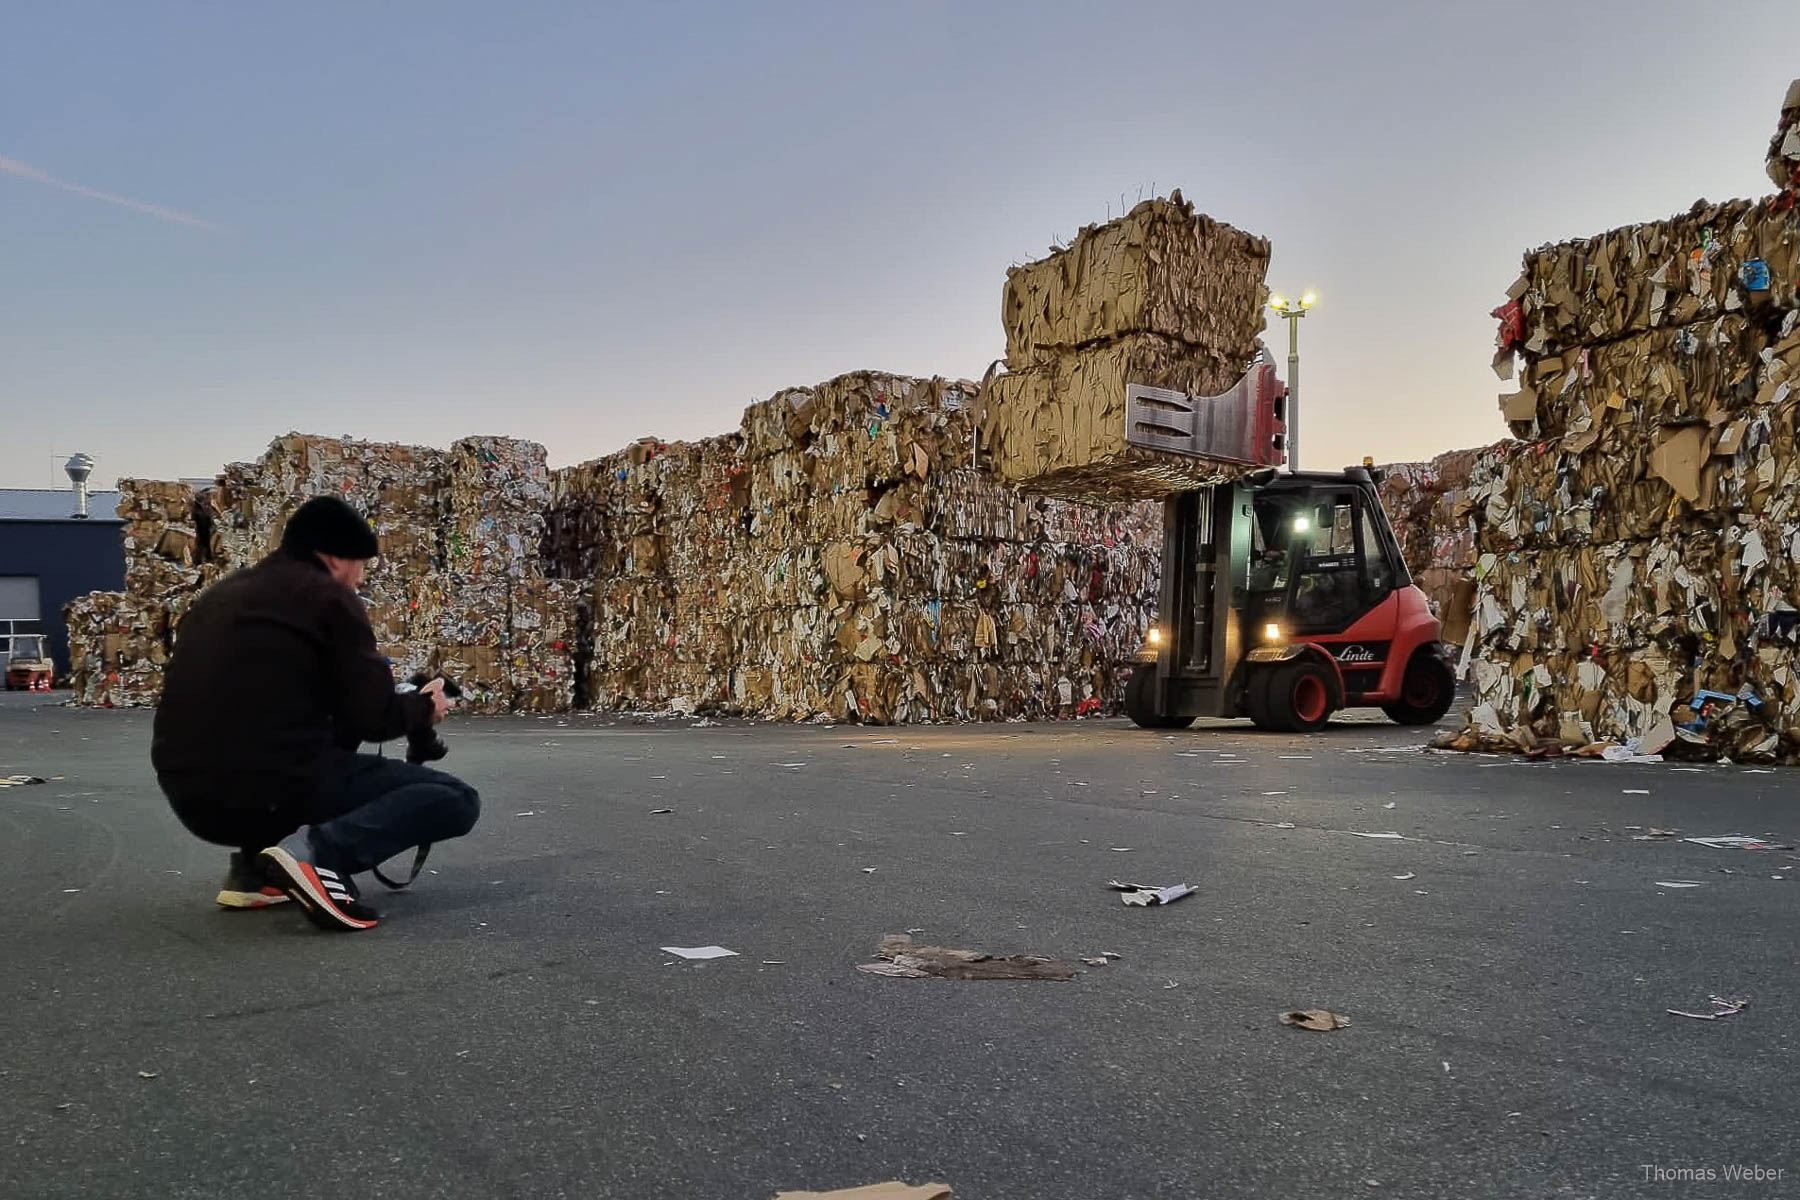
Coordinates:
column 1291, row 312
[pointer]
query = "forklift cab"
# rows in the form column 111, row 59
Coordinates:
column 28, row 663
column 1319, row 560
column 1284, row 599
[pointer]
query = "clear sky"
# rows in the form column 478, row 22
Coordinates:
column 582, row 223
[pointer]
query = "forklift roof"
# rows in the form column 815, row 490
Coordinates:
column 1285, row 480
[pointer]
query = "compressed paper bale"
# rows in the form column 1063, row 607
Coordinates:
column 1060, row 428
column 544, row 617
column 1784, row 147
column 1162, row 268
column 497, row 491
column 1713, row 260
column 118, row 644
column 1700, row 371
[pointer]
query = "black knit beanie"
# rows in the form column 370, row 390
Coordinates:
column 327, row 525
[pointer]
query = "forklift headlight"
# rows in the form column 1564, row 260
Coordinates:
column 1272, row 632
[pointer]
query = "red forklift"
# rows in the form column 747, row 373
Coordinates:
column 1284, row 596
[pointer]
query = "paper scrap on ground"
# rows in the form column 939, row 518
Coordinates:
column 876, row 1191
column 1314, row 1018
column 1677, row 883
column 1721, row 1007
column 1143, row 895
column 1619, row 754
column 1635, row 792
column 1736, row 842
column 1386, row 837
column 904, row 958
column 19, row 780
column 699, row 952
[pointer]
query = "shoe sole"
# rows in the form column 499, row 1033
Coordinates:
column 229, row 898
column 304, row 885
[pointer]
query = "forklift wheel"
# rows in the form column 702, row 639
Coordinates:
column 1140, row 691
column 1256, row 699
column 1293, row 697
column 1426, row 691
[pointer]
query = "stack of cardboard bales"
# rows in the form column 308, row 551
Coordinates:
column 838, row 556
column 118, row 641
column 1636, row 557
column 1164, row 297
column 459, row 588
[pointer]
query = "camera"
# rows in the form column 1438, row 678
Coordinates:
column 425, row 745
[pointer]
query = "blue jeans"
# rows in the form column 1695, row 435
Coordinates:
column 369, row 809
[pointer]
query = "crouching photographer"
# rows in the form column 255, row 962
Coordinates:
column 274, row 680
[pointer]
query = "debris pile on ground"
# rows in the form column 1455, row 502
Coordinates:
column 1636, row 578
column 892, row 1190
column 1164, row 297
column 901, row 957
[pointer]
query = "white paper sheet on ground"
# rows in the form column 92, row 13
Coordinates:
column 1677, row 883
column 699, row 951
column 1734, row 842
column 1142, row 897
column 1388, row 837
column 1619, row 754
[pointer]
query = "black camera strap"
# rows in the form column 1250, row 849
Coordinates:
column 418, row 864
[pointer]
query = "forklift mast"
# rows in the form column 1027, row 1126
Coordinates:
column 1206, row 554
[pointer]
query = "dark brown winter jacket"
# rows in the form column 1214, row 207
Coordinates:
column 273, row 667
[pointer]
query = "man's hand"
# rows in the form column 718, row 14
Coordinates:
column 440, row 703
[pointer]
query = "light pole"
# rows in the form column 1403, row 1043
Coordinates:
column 1293, row 310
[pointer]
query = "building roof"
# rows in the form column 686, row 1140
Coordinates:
column 55, row 504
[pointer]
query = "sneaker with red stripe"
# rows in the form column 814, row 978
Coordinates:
column 328, row 896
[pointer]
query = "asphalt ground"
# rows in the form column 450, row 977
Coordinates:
column 513, row 1029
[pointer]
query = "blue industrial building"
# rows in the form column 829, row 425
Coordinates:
column 49, row 556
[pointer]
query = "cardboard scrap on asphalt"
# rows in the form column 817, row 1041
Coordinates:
column 1314, row 1018
column 1736, row 842
column 699, row 952
column 1721, row 1007
column 876, row 1191
column 904, row 958
column 1142, row 895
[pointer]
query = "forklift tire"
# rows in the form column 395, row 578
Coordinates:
column 1296, row 696
column 1427, row 691
column 1256, row 699
column 1139, row 690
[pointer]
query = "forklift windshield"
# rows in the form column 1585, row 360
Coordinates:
column 27, row 647
column 1316, row 561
